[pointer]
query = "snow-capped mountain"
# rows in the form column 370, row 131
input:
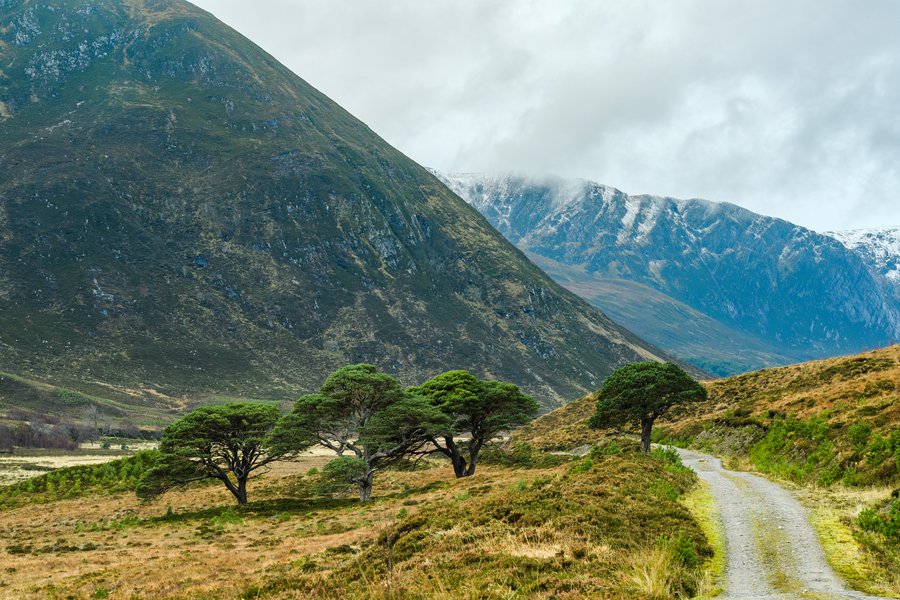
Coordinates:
column 879, row 249
column 795, row 292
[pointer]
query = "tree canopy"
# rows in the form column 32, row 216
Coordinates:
column 226, row 442
column 644, row 391
column 478, row 409
column 366, row 413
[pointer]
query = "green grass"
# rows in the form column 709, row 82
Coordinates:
column 702, row 506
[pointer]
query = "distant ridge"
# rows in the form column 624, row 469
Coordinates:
column 763, row 291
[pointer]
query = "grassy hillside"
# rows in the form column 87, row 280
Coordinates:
column 822, row 421
column 609, row 525
column 21, row 397
column 828, row 428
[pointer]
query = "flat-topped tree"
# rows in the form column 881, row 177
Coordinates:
column 366, row 413
column 644, row 391
column 227, row 442
column 481, row 410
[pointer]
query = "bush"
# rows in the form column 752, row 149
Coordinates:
column 520, row 455
column 859, row 434
column 798, row 450
column 884, row 519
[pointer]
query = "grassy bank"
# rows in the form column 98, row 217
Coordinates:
column 610, row 524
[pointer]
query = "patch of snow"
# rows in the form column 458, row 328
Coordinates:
column 632, row 208
column 880, row 247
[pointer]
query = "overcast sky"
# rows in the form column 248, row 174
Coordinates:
column 790, row 109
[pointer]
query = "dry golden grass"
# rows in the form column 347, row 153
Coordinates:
column 848, row 387
column 76, row 547
column 562, row 429
column 577, row 530
column 81, row 546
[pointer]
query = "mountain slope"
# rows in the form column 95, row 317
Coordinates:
column 181, row 212
column 798, row 294
column 879, row 249
column 711, row 345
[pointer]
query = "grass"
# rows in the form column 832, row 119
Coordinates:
column 701, row 505
column 864, row 559
column 562, row 531
column 562, row 429
column 608, row 525
column 831, row 427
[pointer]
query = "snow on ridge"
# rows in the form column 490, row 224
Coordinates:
column 880, row 246
column 884, row 241
column 632, row 208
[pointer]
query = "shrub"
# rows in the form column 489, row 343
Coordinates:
column 859, row 434
column 883, row 519
column 73, row 482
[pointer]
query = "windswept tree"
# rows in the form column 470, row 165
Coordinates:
column 366, row 414
column 643, row 392
column 227, row 442
column 479, row 411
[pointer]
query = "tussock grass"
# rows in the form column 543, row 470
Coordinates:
column 660, row 573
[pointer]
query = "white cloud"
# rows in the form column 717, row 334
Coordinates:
column 790, row 109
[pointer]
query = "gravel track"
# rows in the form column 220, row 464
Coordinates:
column 772, row 550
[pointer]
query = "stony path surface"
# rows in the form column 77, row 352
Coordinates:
column 772, row 550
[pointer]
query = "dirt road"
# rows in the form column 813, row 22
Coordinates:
column 771, row 549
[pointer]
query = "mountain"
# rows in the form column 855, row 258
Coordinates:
column 734, row 290
column 879, row 249
column 180, row 213
column 709, row 344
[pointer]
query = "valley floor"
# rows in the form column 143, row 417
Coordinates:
column 772, row 550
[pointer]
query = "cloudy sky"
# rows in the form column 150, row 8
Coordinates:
column 788, row 108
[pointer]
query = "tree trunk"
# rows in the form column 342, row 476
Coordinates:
column 459, row 465
column 474, row 448
column 241, row 493
column 646, row 428
column 365, row 486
